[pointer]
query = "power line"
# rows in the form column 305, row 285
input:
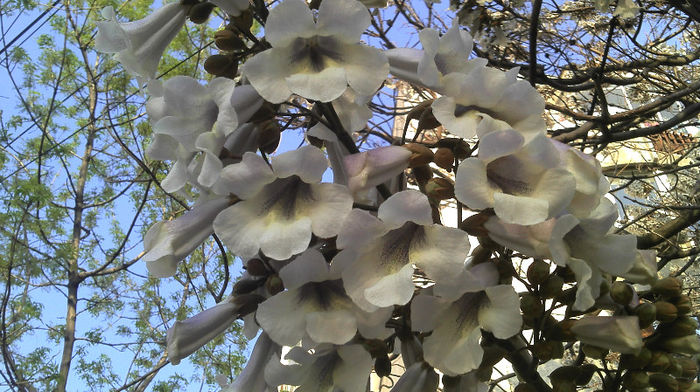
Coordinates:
column 29, row 26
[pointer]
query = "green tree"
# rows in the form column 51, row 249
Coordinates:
column 78, row 311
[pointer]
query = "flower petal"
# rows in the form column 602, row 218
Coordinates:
column 308, row 162
column 409, row 205
column 345, row 20
column 289, row 20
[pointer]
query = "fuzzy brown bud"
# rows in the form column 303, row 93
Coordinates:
column 200, row 12
column 427, row 120
column 269, row 136
column 524, row 387
column 439, row 188
column 265, row 113
column 646, row 312
column 682, row 326
column 459, row 147
column 274, row 284
column 247, row 303
column 480, row 255
column 552, row 286
column 668, row 287
column 245, row 286
column 545, row 350
column 635, row 379
column 422, row 173
column 682, row 304
column 663, row 382
column 531, row 305
column 228, row 40
column 420, row 154
column 444, row 158
column 689, row 368
column 256, row 267
column 538, row 271
column 594, row 352
column 244, row 21
column 474, row 225
column 665, row 311
column 621, row 292
column 639, row 361
column 382, row 366
column 221, row 65
column 564, row 378
column 585, row 373
column 659, row 362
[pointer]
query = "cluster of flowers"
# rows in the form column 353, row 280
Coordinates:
column 340, row 284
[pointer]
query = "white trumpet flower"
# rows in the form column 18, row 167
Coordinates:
column 167, row 243
column 139, row 45
column 316, row 60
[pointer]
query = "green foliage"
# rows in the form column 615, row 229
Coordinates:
column 71, row 192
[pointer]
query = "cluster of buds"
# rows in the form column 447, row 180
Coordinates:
column 232, row 41
column 667, row 361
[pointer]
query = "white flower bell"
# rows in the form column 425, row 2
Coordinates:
column 166, row 243
column 316, row 60
column 139, row 45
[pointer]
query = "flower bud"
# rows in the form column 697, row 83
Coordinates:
column 682, row 326
column 422, row 173
column 247, row 303
column 595, row 352
column 668, row 287
column 492, row 355
column 256, row 267
column 538, row 271
column 546, row 350
column 639, row 361
column 480, row 255
column 245, row 286
column 444, row 158
column 228, row 40
column 274, row 284
column 474, row 225
column 269, row 136
column 382, row 365
column 420, row 154
column 646, row 312
column 525, row 387
column 689, row 368
column 427, row 120
column 552, row 286
column 682, row 304
column 621, row 293
column 663, row 382
column 561, row 331
column 675, row 369
column 221, row 65
column 244, row 21
column 531, row 305
column 636, row 379
column 682, row 345
column 200, row 12
column 458, row 146
column 566, row 273
column 585, row 373
column 665, row 311
column 439, row 188
column 659, row 362
column 564, row 378
column 265, row 113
